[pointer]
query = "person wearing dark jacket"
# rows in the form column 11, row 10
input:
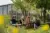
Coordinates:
column 38, row 23
column 13, row 21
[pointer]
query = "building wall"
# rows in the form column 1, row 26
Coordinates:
column 0, row 10
column 4, row 9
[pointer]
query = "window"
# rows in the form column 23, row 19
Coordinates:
column 5, row 10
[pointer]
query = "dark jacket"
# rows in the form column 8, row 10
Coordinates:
column 13, row 21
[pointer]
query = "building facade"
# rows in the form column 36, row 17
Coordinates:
column 4, row 9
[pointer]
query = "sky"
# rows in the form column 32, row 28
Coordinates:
column 3, row 2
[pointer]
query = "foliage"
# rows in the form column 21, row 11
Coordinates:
column 19, row 5
column 43, row 4
column 24, row 5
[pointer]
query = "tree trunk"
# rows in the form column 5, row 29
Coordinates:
column 44, row 14
column 24, row 11
column 41, row 13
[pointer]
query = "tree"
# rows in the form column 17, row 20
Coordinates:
column 24, row 5
column 43, row 4
column 18, row 4
column 21, row 4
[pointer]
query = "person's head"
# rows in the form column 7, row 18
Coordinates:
column 13, row 17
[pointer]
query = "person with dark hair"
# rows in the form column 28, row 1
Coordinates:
column 37, row 22
column 13, row 20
